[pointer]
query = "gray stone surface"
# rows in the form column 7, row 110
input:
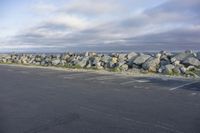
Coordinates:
column 83, row 62
column 141, row 59
column 191, row 61
column 198, row 55
column 132, row 55
column 152, row 64
column 182, row 56
column 148, row 62
column 168, row 69
column 56, row 62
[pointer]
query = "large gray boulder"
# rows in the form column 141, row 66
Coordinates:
column 113, row 62
column 191, row 61
column 106, row 58
column 141, row 59
column 6, row 56
column 122, row 56
column 24, row 60
column 152, row 64
column 55, row 62
column 120, row 63
column 164, row 62
column 84, row 62
column 65, row 57
column 132, row 55
column 38, row 59
column 183, row 69
column 168, row 69
column 182, row 56
column 124, row 67
column 198, row 55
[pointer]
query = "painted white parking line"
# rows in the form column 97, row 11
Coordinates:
column 142, row 81
column 10, row 70
column 101, row 78
column 72, row 76
column 128, row 82
column 174, row 88
column 193, row 94
column 133, row 81
column 24, row 72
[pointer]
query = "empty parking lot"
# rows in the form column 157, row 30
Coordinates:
column 35, row 100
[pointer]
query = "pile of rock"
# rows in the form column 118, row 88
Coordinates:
column 184, row 63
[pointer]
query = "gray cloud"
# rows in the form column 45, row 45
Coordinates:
column 172, row 25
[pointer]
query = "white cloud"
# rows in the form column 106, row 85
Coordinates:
column 70, row 20
column 110, row 23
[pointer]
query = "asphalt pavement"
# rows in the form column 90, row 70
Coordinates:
column 35, row 100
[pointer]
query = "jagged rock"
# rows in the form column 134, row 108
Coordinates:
column 43, row 63
column 176, row 70
column 132, row 55
column 4, row 60
column 152, row 64
column 24, row 59
column 37, row 63
column 55, row 62
column 177, row 62
column 191, row 61
column 83, row 62
column 31, row 61
column 183, row 69
column 158, row 55
column 95, row 61
column 122, row 56
column 7, row 56
column 186, row 63
column 65, row 57
column 198, row 55
column 124, row 67
column 120, row 63
column 38, row 59
column 63, row 62
column 141, row 59
column 168, row 69
column 182, row 56
column 164, row 62
column 86, row 54
column 106, row 58
column 113, row 62
column 161, row 69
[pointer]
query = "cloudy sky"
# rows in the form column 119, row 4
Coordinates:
column 100, row 25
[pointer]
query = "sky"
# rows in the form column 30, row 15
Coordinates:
column 99, row 25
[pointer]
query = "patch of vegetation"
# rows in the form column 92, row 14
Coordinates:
column 175, row 72
column 193, row 72
column 92, row 68
column 172, row 73
column 76, row 66
column 115, row 69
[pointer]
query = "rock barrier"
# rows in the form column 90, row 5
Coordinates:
column 183, row 63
